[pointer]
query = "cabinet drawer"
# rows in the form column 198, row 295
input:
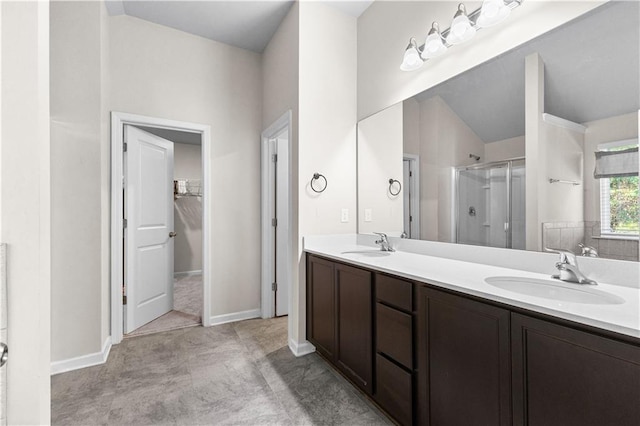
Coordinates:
column 394, row 334
column 394, row 390
column 394, row 291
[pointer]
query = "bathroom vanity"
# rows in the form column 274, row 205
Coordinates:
column 433, row 344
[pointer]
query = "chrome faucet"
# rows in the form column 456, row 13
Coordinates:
column 568, row 268
column 384, row 242
column 588, row 251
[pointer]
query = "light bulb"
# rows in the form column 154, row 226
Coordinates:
column 433, row 45
column 412, row 60
column 460, row 25
column 490, row 8
column 492, row 13
column 461, row 28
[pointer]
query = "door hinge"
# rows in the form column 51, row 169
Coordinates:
column 124, row 147
column 124, row 223
column 274, row 286
column 410, row 174
column 410, row 218
column 274, row 222
column 274, row 158
column 124, row 299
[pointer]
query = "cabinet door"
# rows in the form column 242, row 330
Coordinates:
column 355, row 351
column 321, row 325
column 464, row 370
column 563, row 376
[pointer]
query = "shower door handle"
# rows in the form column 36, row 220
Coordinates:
column 506, row 227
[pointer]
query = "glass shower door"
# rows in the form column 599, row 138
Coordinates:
column 483, row 206
column 518, row 208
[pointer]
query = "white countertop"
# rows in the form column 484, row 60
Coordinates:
column 469, row 278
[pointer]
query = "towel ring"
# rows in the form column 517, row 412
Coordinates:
column 391, row 182
column 317, row 176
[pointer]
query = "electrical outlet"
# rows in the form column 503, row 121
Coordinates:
column 367, row 215
column 345, row 216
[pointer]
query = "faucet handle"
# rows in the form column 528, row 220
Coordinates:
column 566, row 256
column 383, row 236
column 588, row 250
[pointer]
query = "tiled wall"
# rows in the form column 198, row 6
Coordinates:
column 567, row 235
column 610, row 248
column 564, row 235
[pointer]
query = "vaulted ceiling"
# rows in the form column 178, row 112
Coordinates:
column 246, row 24
column 592, row 71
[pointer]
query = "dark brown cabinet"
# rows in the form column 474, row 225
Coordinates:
column 339, row 317
column 394, row 390
column 464, row 361
column 321, row 318
column 354, row 351
column 394, row 347
column 563, row 376
column 434, row 357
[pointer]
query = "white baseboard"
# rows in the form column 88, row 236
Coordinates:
column 301, row 349
column 83, row 361
column 187, row 273
column 235, row 316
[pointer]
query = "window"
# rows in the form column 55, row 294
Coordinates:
column 619, row 205
column 619, row 210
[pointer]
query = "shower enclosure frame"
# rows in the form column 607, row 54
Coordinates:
column 488, row 165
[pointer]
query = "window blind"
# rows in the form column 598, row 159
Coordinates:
column 616, row 163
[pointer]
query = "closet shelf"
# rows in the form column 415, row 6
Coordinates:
column 187, row 188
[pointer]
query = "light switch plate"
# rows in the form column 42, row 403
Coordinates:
column 345, row 216
column 367, row 215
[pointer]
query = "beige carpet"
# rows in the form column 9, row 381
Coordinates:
column 187, row 308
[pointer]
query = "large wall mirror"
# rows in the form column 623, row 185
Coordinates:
column 504, row 154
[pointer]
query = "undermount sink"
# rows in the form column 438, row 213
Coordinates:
column 368, row 253
column 555, row 290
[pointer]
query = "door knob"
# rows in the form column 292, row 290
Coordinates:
column 172, row 234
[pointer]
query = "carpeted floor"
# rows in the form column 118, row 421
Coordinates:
column 187, row 307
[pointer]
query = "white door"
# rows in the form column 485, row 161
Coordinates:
column 281, row 230
column 275, row 205
column 148, row 236
column 406, row 207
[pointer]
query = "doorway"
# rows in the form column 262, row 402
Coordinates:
column 411, row 196
column 184, row 286
column 276, row 218
column 122, row 230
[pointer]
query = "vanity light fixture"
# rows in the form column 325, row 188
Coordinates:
column 412, row 60
column 434, row 45
column 463, row 27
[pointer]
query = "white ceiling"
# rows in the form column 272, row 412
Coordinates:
column 242, row 23
column 175, row 136
column 592, row 71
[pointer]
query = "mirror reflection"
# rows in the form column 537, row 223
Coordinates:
column 507, row 154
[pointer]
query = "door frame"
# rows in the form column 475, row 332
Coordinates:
column 414, row 190
column 267, row 299
column 118, row 121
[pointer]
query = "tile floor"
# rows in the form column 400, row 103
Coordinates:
column 239, row 373
column 187, row 307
